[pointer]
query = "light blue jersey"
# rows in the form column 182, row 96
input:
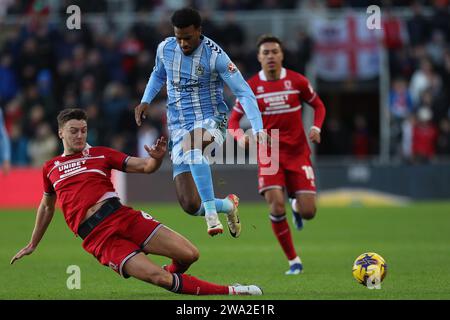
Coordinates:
column 5, row 148
column 195, row 84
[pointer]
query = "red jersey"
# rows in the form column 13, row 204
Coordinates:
column 280, row 104
column 424, row 140
column 82, row 179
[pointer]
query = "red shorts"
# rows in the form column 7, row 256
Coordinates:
column 120, row 237
column 293, row 173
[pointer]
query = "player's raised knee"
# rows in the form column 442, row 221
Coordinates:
column 278, row 208
column 192, row 255
column 308, row 213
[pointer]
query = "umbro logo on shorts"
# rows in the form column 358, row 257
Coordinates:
column 113, row 266
column 146, row 215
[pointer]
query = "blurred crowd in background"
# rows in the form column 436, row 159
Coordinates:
column 46, row 67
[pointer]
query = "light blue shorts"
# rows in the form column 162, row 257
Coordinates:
column 216, row 126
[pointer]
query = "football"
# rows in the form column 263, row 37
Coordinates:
column 369, row 269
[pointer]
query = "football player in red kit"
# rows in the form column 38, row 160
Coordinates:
column 280, row 93
column 117, row 235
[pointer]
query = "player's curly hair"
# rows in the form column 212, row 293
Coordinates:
column 186, row 17
column 268, row 38
column 70, row 114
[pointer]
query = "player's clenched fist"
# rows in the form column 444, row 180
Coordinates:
column 263, row 138
column 139, row 112
column 314, row 135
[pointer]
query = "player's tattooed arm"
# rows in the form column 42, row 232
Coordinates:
column 43, row 218
column 152, row 163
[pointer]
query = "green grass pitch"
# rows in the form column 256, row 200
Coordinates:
column 413, row 239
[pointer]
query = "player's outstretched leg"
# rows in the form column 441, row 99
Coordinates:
column 171, row 244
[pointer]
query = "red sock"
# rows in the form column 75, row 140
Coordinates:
column 186, row 284
column 281, row 230
column 176, row 267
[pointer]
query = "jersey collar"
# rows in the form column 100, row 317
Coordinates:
column 85, row 148
column 262, row 76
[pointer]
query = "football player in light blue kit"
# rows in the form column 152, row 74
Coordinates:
column 194, row 69
column 5, row 147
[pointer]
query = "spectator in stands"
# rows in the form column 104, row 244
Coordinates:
column 233, row 37
column 89, row 92
column 43, row 146
column 115, row 102
column 400, row 106
column 407, row 138
column 96, row 133
column 8, row 84
column 63, row 79
column 421, row 80
column 95, row 66
column 130, row 47
column 360, row 137
column 19, row 146
column 441, row 17
column 304, row 50
column 140, row 71
column 44, row 84
column 418, row 26
column 424, row 137
column 436, row 47
column 5, row 147
column 400, row 102
column 33, row 120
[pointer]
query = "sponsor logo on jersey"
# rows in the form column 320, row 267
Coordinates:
column 276, row 99
column 259, row 89
column 186, row 85
column 71, row 166
column 232, row 67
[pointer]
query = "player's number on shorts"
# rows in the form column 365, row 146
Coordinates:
column 309, row 172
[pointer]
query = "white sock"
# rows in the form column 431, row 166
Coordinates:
column 294, row 261
column 294, row 204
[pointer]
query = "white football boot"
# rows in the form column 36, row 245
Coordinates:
column 241, row 290
column 234, row 224
column 214, row 225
